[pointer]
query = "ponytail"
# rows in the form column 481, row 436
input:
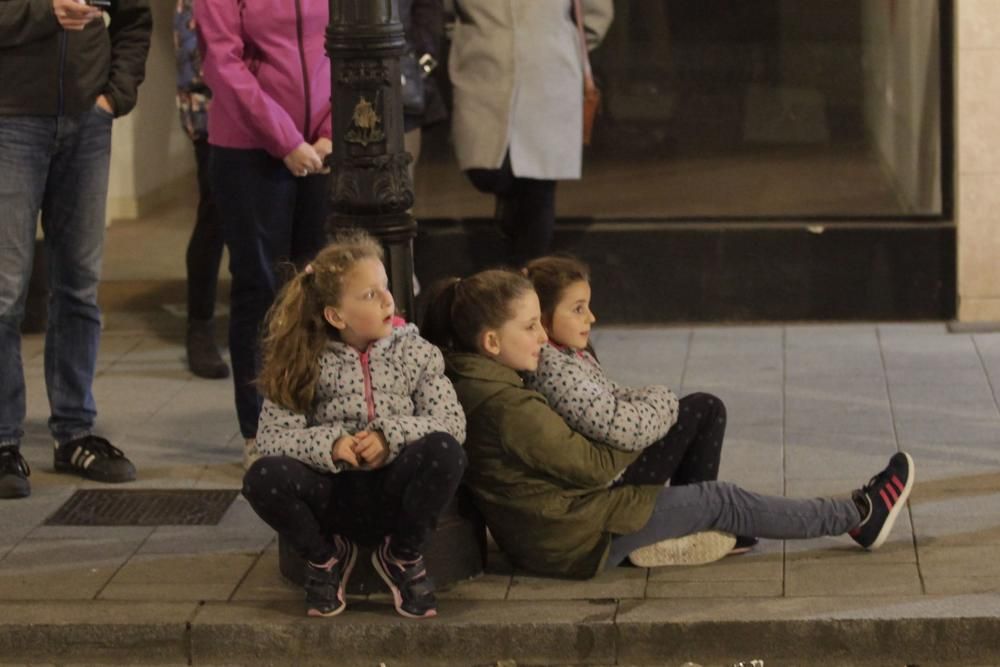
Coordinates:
column 459, row 310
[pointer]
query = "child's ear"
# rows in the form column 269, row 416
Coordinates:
column 489, row 342
column 331, row 315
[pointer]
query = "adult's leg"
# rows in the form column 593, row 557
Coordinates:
column 534, row 225
column 73, row 220
column 309, row 224
column 204, row 253
column 255, row 195
column 691, row 449
column 417, row 486
column 204, row 250
column 25, row 147
column 692, row 508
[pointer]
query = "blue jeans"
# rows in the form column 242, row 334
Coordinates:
column 269, row 217
column 57, row 165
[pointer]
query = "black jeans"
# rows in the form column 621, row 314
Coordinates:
column 526, row 209
column 204, row 251
column 269, row 217
column 402, row 500
column 690, row 451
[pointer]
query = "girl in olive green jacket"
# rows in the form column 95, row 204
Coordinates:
column 544, row 489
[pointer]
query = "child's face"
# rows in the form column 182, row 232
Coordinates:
column 518, row 342
column 571, row 318
column 365, row 311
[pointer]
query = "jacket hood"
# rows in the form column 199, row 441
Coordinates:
column 491, row 377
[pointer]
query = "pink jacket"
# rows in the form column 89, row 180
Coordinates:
column 269, row 75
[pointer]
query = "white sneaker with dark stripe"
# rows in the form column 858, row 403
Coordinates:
column 881, row 499
column 95, row 458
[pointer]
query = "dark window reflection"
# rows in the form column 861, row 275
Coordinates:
column 749, row 108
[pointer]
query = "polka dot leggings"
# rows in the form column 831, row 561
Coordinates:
column 402, row 499
column 690, row 451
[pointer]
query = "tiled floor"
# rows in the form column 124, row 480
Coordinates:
column 812, row 410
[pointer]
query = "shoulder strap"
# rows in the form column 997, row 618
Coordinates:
column 588, row 75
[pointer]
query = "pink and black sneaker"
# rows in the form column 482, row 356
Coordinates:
column 881, row 500
column 325, row 583
column 412, row 590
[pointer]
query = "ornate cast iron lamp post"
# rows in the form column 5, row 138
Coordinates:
column 370, row 186
column 371, row 189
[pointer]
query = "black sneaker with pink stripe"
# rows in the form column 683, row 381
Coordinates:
column 412, row 590
column 881, row 500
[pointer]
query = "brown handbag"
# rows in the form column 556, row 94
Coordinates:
column 591, row 93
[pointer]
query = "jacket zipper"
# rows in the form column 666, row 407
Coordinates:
column 369, row 396
column 62, row 67
column 305, row 71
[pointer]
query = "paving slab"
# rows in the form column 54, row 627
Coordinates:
column 174, row 577
column 615, row 584
column 63, row 569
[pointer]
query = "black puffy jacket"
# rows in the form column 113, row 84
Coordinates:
column 48, row 71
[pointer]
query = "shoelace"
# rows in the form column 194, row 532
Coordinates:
column 12, row 461
column 101, row 447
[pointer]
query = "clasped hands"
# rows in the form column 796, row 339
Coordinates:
column 365, row 449
column 308, row 158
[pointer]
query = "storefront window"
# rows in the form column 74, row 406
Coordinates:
column 750, row 109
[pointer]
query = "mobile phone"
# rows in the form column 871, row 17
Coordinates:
column 100, row 4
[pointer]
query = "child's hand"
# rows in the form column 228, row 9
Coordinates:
column 343, row 450
column 371, row 448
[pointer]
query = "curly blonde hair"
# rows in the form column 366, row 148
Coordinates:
column 296, row 331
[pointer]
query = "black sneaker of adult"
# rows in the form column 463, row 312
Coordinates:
column 95, row 458
column 14, row 472
column 325, row 585
column 883, row 497
column 412, row 590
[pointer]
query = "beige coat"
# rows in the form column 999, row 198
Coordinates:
column 518, row 82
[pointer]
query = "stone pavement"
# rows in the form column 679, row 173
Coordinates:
column 812, row 410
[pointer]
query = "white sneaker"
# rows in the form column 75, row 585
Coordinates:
column 250, row 453
column 694, row 549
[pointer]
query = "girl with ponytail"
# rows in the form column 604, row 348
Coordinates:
column 357, row 417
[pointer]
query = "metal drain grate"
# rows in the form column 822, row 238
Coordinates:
column 175, row 507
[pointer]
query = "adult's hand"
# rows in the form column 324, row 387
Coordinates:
column 105, row 103
column 74, row 15
column 323, row 148
column 304, row 160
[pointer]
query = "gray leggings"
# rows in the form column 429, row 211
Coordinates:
column 692, row 508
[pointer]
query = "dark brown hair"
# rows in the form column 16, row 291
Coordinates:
column 296, row 331
column 551, row 275
column 460, row 309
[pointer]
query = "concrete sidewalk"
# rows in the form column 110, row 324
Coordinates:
column 812, row 410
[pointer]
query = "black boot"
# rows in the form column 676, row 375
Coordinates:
column 204, row 358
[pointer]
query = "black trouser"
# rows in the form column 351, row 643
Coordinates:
column 402, row 500
column 690, row 451
column 269, row 217
column 526, row 209
column 204, row 251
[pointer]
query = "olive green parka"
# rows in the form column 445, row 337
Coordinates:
column 542, row 487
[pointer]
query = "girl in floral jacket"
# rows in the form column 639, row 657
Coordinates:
column 360, row 430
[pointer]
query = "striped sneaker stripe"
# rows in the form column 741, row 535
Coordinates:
column 892, row 492
column 88, row 461
column 885, row 498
